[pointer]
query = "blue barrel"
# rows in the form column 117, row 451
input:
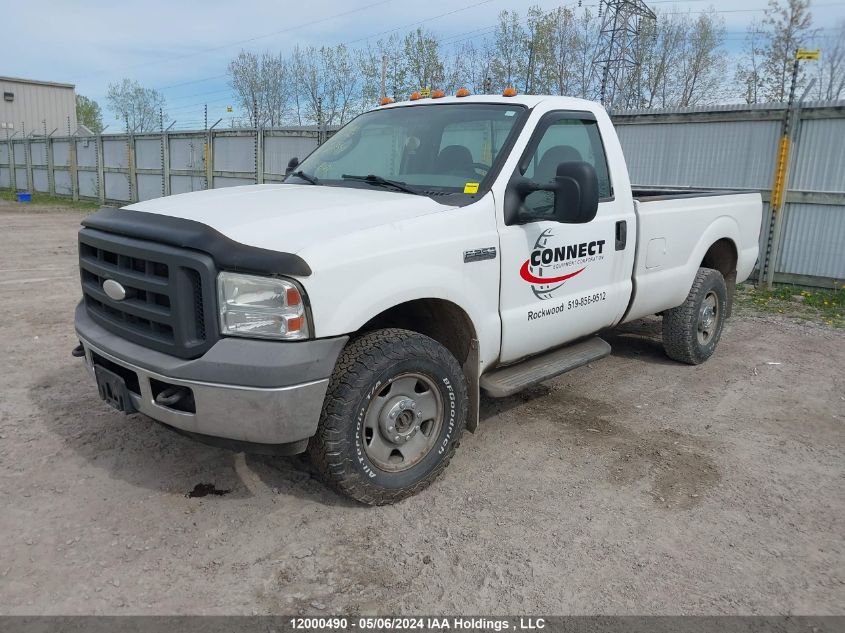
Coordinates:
column 23, row 196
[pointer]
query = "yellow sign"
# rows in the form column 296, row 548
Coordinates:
column 471, row 187
column 425, row 93
column 229, row 109
column 804, row 53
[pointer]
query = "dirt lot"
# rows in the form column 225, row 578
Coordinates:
column 635, row 485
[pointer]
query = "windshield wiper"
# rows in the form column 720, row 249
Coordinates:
column 378, row 181
column 306, row 177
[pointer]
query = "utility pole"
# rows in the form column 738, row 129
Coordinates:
column 530, row 71
column 383, row 76
column 617, row 42
column 319, row 120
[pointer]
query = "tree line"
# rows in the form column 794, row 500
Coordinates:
column 678, row 59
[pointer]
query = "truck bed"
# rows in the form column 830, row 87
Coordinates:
column 675, row 229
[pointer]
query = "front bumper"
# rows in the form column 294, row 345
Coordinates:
column 260, row 392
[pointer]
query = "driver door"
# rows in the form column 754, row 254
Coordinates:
column 563, row 281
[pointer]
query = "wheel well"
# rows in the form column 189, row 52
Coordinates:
column 449, row 325
column 722, row 256
column 439, row 319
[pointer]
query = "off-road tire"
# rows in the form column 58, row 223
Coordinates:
column 365, row 367
column 681, row 324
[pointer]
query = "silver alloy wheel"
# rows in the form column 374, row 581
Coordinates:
column 403, row 422
column 708, row 318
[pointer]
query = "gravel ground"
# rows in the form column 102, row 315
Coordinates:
column 634, row 485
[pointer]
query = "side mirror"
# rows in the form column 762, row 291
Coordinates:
column 293, row 163
column 576, row 195
column 576, row 192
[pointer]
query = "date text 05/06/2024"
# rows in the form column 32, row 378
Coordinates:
column 419, row 623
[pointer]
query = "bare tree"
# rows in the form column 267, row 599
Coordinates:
column 341, row 76
column 390, row 54
column 830, row 70
column 422, row 56
column 586, row 52
column 308, row 85
column 139, row 106
column 561, row 65
column 510, row 45
column 369, row 61
column 749, row 71
column 457, row 72
column 261, row 87
column 479, row 60
column 659, row 50
column 702, row 65
column 538, row 46
column 789, row 26
column 325, row 84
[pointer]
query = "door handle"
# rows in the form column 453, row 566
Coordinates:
column 621, row 235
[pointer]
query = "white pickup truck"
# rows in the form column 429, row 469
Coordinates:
column 428, row 251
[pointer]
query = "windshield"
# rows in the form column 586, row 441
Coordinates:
column 432, row 149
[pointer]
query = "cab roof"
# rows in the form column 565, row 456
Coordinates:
column 529, row 101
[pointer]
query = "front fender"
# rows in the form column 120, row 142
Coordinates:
column 423, row 258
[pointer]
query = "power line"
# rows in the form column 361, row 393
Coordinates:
column 470, row 6
column 199, row 105
column 194, row 81
column 441, row 15
column 265, row 35
column 451, row 41
column 201, row 94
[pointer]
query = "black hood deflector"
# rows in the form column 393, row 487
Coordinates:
column 227, row 253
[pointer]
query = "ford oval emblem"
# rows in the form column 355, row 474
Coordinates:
column 114, row 290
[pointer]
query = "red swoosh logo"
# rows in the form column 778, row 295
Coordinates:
column 527, row 276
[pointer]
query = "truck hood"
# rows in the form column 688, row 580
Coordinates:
column 289, row 218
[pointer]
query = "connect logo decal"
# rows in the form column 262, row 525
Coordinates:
column 549, row 267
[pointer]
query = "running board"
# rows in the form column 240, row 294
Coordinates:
column 507, row 381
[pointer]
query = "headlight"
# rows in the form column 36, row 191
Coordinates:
column 261, row 307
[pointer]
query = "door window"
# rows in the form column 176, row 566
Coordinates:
column 562, row 141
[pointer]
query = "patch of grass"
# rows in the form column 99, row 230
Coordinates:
column 45, row 199
column 821, row 306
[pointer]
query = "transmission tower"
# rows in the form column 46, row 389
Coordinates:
column 620, row 28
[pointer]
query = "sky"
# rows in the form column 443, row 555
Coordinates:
column 182, row 47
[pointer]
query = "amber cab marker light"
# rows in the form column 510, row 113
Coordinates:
column 462, row 92
column 437, row 94
column 509, row 92
column 385, row 101
column 415, row 95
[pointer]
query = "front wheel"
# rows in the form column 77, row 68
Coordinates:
column 693, row 329
column 393, row 416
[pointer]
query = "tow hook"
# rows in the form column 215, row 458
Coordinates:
column 170, row 396
column 78, row 351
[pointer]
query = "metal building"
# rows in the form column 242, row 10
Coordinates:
column 30, row 106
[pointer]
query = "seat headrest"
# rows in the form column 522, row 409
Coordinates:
column 552, row 157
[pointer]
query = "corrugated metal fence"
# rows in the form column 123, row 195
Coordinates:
column 721, row 147
column 119, row 168
column 734, row 147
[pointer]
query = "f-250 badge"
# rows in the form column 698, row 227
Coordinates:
column 548, row 267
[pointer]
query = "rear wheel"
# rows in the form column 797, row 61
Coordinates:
column 693, row 329
column 393, row 416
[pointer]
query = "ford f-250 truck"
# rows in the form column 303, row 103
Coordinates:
column 427, row 251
